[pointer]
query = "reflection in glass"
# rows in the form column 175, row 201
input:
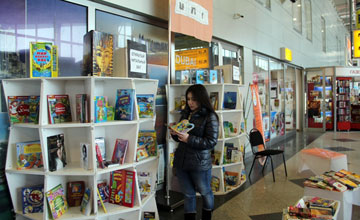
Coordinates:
column 277, row 99
column 290, row 99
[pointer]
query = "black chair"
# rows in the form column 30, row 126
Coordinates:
column 256, row 139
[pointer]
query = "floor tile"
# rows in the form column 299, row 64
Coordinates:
column 270, row 216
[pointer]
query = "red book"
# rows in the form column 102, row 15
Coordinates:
column 117, row 187
column 129, row 189
column 99, row 157
column 120, row 149
column 59, row 109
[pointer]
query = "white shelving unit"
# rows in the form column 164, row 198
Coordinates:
column 76, row 133
column 233, row 115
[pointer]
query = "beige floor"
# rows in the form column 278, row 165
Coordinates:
column 265, row 196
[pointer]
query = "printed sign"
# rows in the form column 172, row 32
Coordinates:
column 192, row 59
column 137, row 61
column 257, row 111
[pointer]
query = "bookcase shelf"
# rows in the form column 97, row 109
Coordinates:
column 238, row 138
column 343, row 103
column 76, row 133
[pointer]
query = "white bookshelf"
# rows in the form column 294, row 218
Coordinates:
column 76, row 133
column 233, row 115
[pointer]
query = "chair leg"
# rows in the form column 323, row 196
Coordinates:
column 252, row 166
column 272, row 168
column 284, row 164
column 264, row 166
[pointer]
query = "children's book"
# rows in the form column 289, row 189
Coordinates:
column 98, row 54
column 124, row 107
column 144, row 181
column 100, row 150
column 100, row 200
column 100, row 109
column 75, row 192
column 183, row 126
column 145, row 105
column 85, row 207
column 213, row 77
column 117, row 187
column 103, row 188
column 215, row 183
column 149, row 216
column 230, row 100
column 200, row 77
column 147, row 140
column 231, row 178
column 110, row 113
column 57, row 202
column 129, row 189
column 84, row 154
column 43, row 60
column 214, row 99
column 34, row 109
column 56, row 152
column 185, row 76
column 23, row 109
column 59, row 109
column 141, row 154
column 29, row 155
column 120, row 149
column 32, row 199
column 82, row 110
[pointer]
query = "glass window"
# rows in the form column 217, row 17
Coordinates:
column 214, row 57
column 323, row 34
column 290, row 99
column 308, row 19
column 297, row 16
column 265, row 3
column 261, row 77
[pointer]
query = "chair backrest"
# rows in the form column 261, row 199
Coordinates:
column 255, row 139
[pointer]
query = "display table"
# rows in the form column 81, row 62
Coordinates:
column 320, row 160
column 347, row 199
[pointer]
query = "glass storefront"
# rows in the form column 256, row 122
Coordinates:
column 290, row 99
column 277, row 99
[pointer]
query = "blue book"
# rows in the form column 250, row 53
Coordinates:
column 32, row 199
column 230, row 100
column 100, row 109
column 124, row 106
column 200, row 77
column 145, row 105
column 213, row 77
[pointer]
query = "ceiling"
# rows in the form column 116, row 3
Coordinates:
column 343, row 9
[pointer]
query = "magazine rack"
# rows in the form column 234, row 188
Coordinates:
column 238, row 138
column 76, row 133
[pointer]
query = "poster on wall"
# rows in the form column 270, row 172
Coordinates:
column 137, row 59
column 193, row 18
column 257, row 111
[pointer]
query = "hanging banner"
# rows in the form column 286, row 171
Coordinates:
column 257, row 111
column 193, row 18
column 192, row 59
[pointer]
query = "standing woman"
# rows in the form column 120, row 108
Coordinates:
column 192, row 160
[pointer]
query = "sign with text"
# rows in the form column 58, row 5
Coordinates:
column 192, row 59
column 137, row 59
column 257, row 111
column 193, row 18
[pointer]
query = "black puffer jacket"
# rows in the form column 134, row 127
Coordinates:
column 196, row 154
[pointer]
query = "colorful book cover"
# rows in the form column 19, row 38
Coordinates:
column 98, row 54
column 23, row 109
column 124, row 107
column 184, row 79
column 84, row 154
column 32, row 199
column 120, row 149
column 214, row 99
column 100, row 109
column 147, row 140
column 57, row 202
column 81, row 108
column 110, row 113
column 144, row 181
column 41, row 59
column 59, row 109
column 75, row 192
column 117, row 187
column 100, row 149
column 103, row 191
column 56, row 152
column 141, row 154
column 145, row 105
column 200, row 77
column 149, row 216
column 55, row 61
column 230, row 100
column 29, row 155
column 183, row 126
column 213, row 77
column 129, row 189
column 85, row 207
column 100, row 200
column 34, row 109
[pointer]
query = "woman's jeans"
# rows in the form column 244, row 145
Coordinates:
column 192, row 181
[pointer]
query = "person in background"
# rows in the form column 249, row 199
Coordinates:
column 192, row 160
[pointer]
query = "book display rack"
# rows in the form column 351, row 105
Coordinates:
column 77, row 137
column 343, row 103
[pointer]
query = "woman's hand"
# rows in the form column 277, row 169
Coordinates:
column 183, row 137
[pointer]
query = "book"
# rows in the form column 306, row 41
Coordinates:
column 214, row 99
column 104, row 192
column 84, row 156
column 200, row 77
column 28, row 155
column 59, row 109
column 82, row 108
column 144, row 181
column 23, row 109
column 231, row 178
column 100, row 109
column 101, row 201
column 185, row 76
column 120, row 149
column 57, row 202
column 230, row 100
column 32, row 199
column 141, row 154
column 75, row 192
column 99, row 158
column 149, row 215
column 213, row 77
column 85, row 207
column 117, row 187
column 110, row 113
column 56, row 152
column 124, row 107
column 145, row 104
column 147, row 140
column 183, row 126
column 43, row 60
column 215, row 183
column 129, row 194
column 98, row 54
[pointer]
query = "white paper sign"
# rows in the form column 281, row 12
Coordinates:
column 236, row 73
column 192, row 10
column 137, row 61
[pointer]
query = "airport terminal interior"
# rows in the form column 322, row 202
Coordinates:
column 89, row 90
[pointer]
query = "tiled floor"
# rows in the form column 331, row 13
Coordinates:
column 264, row 199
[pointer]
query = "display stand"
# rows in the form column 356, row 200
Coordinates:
column 343, row 103
column 76, row 133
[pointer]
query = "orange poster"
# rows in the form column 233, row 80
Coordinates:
column 192, row 59
column 257, row 110
column 193, row 18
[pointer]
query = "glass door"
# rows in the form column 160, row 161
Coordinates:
column 290, row 99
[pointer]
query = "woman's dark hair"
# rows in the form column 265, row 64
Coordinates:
column 201, row 95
